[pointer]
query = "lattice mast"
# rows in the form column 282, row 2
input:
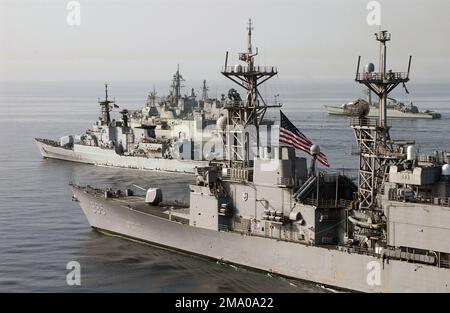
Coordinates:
column 176, row 86
column 372, row 135
column 106, row 107
column 249, row 111
column 205, row 89
column 151, row 99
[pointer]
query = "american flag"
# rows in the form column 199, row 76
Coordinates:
column 291, row 136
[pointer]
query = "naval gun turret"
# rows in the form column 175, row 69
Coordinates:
column 269, row 212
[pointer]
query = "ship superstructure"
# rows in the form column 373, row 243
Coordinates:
column 401, row 196
column 387, row 233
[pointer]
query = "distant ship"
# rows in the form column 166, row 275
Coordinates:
column 167, row 134
column 394, row 109
column 390, row 232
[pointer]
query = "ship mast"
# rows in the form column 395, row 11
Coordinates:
column 251, row 110
column 375, row 147
column 176, row 86
column 204, row 91
column 105, row 108
column 151, row 99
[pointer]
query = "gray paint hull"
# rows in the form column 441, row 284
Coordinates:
column 105, row 157
column 321, row 265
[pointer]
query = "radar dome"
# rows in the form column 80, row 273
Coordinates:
column 221, row 122
column 369, row 68
column 359, row 108
column 238, row 68
column 314, row 150
column 446, row 170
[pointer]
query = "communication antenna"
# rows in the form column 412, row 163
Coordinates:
column 372, row 135
column 251, row 110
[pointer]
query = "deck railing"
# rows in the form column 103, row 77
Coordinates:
column 238, row 69
column 442, row 201
column 364, row 121
column 378, row 77
column 328, row 203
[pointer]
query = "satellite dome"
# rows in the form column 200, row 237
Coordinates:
column 446, row 170
column 314, row 150
column 238, row 68
column 221, row 122
column 369, row 68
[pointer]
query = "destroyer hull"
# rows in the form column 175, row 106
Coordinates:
column 108, row 157
column 334, row 110
column 323, row 265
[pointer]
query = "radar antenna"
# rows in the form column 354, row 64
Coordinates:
column 204, row 91
column 251, row 110
column 106, row 108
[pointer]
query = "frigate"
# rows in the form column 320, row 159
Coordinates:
column 389, row 231
column 394, row 109
column 167, row 134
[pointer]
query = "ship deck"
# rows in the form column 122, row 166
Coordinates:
column 171, row 210
column 52, row 143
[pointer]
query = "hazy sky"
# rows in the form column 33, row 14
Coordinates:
column 137, row 40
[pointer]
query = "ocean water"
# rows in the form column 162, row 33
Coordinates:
column 41, row 229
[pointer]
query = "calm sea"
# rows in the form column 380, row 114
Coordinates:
column 41, row 229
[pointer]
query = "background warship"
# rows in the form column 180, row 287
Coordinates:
column 167, row 134
column 394, row 108
column 388, row 233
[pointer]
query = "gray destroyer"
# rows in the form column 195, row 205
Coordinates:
column 167, row 134
column 390, row 232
